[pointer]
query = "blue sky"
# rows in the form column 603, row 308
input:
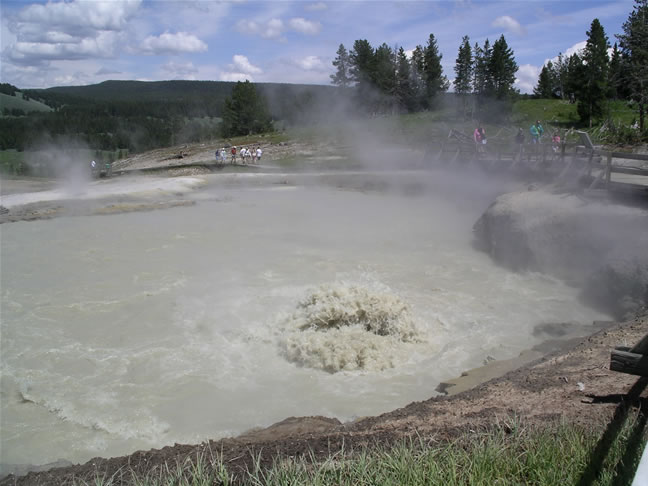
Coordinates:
column 79, row 42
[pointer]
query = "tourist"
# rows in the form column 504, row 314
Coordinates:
column 233, row 152
column 479, row 135
column 519, row 140
column 259, row 152
column 536, row 132
column 555, row 142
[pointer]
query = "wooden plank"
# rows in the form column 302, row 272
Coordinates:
column 629, row 170
column 625, row 361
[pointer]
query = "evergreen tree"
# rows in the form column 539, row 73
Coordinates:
column 384, row 77
column 417, row 65
column 559, row 76
column 342, row 63
column 245, row 112
column 502, row 68
column 544, row 88
column 593, row 93
column 575, row 78
column 405, row 94
column 634, row 48
column 481, row 77
column 463, row 71
column 363, row 70
column 615, row 75
column 435, row 81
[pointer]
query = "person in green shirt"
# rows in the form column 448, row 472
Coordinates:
column 536, row 132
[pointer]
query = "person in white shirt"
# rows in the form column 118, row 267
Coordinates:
column 258, row 153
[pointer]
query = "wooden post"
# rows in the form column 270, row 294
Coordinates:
column 608, row 169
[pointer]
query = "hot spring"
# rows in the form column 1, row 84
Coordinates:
column 341, row 296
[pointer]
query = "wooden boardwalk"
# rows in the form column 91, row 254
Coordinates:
column 593, row 169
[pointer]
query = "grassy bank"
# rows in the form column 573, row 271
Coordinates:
column 508, row 454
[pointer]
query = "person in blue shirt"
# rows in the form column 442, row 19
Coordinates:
column 536, row 132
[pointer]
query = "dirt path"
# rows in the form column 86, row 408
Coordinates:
column 574, row 385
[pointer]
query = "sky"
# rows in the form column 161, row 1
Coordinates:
column 81, row 42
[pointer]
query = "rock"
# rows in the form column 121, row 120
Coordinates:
column 602, row 248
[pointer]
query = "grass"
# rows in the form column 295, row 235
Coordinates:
column 508, row 454
column 17, row 102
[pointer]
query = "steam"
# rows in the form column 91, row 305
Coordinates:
column 64, row 158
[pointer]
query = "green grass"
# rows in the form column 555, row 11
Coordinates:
column 17, row 102
column 509, row 454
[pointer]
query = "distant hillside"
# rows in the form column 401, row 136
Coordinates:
column 17, row 105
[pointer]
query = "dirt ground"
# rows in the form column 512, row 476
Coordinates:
column 574, row 385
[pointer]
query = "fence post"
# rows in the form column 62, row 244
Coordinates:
column 608, row 169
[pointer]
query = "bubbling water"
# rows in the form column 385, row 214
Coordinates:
column 348, row 328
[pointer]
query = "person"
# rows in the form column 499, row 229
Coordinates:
column 259, row 152
column 536, row 132
column 93, row 164
column 479, row 135
column 519, row 140
column 223, row 154
column 555, row 142
column 233, row 152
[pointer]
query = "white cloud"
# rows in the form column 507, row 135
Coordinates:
column 305, row 26
column 70, row 30
column 240, row 69
column 272, row 29
column 527, row 78
column 173, row 43
column 314, row 7
column 95, row 15
column 575, row 49
column 228, row 76
column 510, row 24
column 102, row 46
column 106, row 71
column 310, row 63
column 180, row 69
column 242, row 64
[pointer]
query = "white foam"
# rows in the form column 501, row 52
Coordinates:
column 341, row 327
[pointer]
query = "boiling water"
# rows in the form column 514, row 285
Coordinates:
column 258, row 303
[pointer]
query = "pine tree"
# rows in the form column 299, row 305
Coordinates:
column 634, row 49
column 575, row 78
column 544, row 88
column 342, row 64
column 384, row 77
column 463, row 71
column 435, row 81
column 417, row 65
column 502, row 68
column 559, row 76
column 481, row 76
column 362, row 70
column 405, row 95
column 595, row 57
column 245, row 112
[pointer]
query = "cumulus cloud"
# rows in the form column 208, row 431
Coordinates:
column 66, row 16
column 240, row 69
column 310, row 63
column 305, row 26
column 510, row 24
column 101, row 46
column 272, row 29
column 168, row 43
column 314, row 7
column 70, row 30
column 527, row 78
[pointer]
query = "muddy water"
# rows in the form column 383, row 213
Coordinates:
column 262, row 301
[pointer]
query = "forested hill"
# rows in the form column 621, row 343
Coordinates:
column 141, row 115
column 192, row 98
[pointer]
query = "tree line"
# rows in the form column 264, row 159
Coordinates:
column 386, row 79
column 591, row 77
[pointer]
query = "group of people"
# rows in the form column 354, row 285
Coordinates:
column 536, row 130
column 246, row 155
